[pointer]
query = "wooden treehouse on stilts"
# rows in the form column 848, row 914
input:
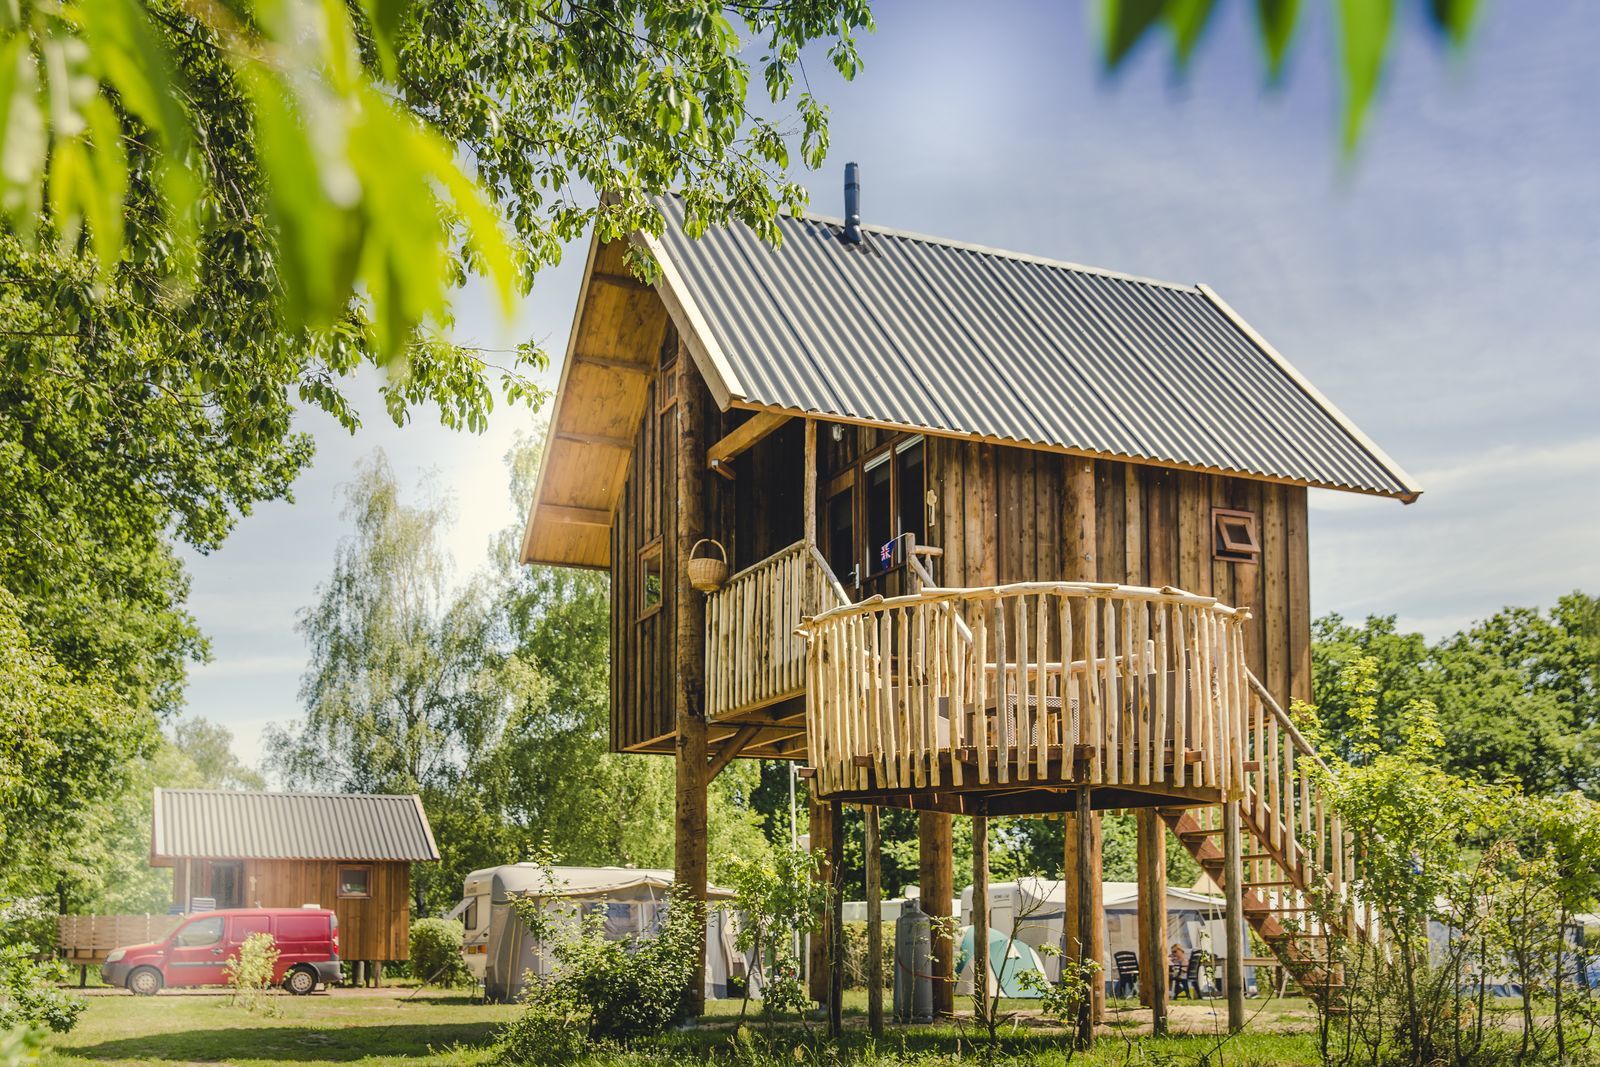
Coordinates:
column 1002, row 536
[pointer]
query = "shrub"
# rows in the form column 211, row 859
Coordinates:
column 249, row 974
column 602, row 990
column 30, row 993
column 436, row 953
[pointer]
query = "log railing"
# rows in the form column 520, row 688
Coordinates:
column 1036, row 682
column 1288, row 813
column 753, row 655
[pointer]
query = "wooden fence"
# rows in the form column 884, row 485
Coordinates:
column 1080, row 682
column 85, row 939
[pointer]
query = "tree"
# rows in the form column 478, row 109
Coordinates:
column 63, row 745
column 1517, row 693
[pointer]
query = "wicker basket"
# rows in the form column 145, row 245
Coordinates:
column 707, row 573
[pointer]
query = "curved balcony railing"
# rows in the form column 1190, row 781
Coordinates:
column 1043, row 682
column 754, row 657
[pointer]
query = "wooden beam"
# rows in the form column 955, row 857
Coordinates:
column 1233, row 912
column 981, row 1006
column 1087, row 875
column 808, row 499
column 874, row 876
column 687, row 610
column 744, row 437
column 603, row 440
column 572, row 516
column 1152, row 867
column 936, row 876
column 821, row 833
column 620, row 281
column 836, row 921
column 616, row 363
column 731, row 748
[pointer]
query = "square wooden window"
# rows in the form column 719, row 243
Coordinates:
column 650, row 579
column 355, row 882
column 1234, row 536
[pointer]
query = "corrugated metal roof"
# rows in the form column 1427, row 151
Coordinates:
column 935, row 335
column 230, row 824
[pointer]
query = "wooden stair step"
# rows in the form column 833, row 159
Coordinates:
column 1271, row 885
column 1186, row 834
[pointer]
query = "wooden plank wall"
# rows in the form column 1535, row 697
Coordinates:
column 1003, row 518
column 370, row 928
column 643, row 651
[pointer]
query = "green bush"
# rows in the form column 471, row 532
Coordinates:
column 602, row 990
column 249, row 974
column 436, row 953
column 855, row 955
column 31, row 996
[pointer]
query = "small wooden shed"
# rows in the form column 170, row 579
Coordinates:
column 349, row 852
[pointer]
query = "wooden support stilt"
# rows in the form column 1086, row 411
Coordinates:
column 817, row 949
column 981, row 1005
column 874, row 924
column 1233, row 918
column 1087, row 917
column 836, row 922
column 690, row 862
column 936, row 877
column 1152, row 864
column 1088, row 885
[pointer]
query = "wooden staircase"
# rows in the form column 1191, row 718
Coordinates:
column 1298, row 859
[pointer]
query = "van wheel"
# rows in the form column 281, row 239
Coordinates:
column 300, row 981
column 145, row 982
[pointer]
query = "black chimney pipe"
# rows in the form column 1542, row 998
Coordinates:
column 852, row 204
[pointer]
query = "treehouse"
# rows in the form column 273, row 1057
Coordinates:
column 1001, row 535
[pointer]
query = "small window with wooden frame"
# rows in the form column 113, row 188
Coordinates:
column 355, row 882
column 650, row 580
column 1234, row 538
column 667, row 364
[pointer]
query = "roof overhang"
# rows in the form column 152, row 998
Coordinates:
column 612, row 356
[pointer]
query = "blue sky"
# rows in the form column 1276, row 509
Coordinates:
column 1440, row 289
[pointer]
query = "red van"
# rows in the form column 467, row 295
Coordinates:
column 194, row 953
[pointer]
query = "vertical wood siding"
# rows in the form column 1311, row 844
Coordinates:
column 1002, row 517
column 377, row 927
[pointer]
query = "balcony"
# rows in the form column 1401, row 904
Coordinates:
column 1009, row 689
column 755, row 658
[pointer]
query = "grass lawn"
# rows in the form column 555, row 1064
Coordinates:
column 381, row 1027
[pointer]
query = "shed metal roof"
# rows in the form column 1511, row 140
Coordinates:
column 233, row 824
column 944, row 337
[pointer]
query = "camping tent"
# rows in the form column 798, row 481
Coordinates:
column 1035, row 908
column 1009, row 960
column 502, row 951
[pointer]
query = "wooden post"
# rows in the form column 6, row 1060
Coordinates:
column 808, row 503
column 1083, row 873
column 1087, row 916
column 874, row 923
column 836, row 921
column 980, row 920
column 936, row 878
column 1080, row 562
column 817, row 949
column 1233, row 918
column 1152, row 863
column 689, row 612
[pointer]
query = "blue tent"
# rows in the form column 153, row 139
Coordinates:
column 1009, row 960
